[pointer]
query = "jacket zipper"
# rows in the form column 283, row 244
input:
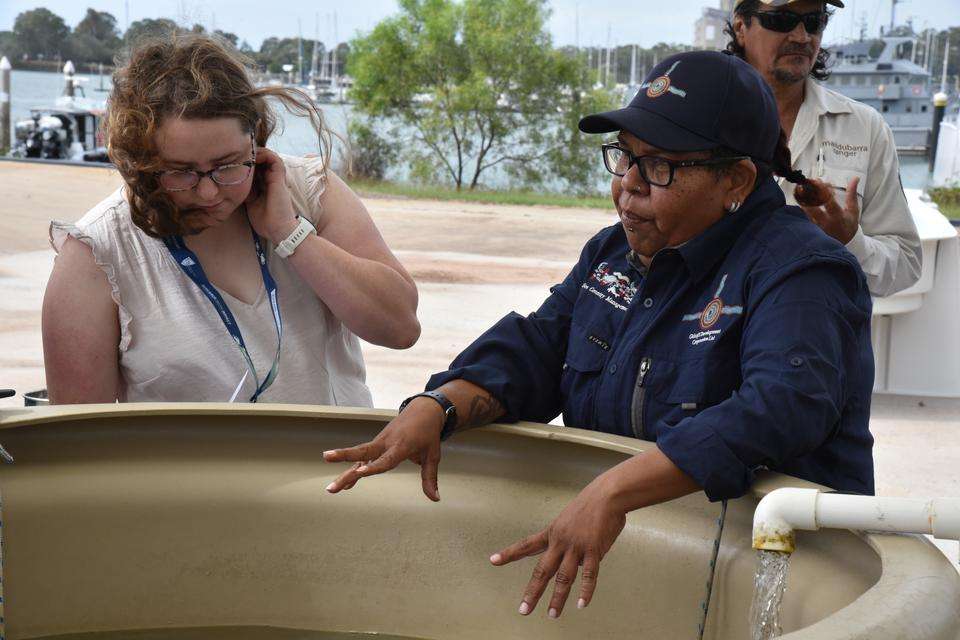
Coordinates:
column 636, row 408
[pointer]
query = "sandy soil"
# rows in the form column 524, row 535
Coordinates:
column 473, row 263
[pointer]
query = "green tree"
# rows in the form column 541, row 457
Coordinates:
column 478, row 85
column 40, row 33
column 276, row 52
column 99, row 25
column 148, row 28
column 9, row 46
column 229, row 37
column 95, row 39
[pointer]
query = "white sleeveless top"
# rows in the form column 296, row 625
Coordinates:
column 173, row 345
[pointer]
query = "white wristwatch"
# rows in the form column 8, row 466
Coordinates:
column 286, row 248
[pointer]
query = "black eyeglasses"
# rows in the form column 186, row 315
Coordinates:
column 786, row 21
column 225, row 175
column 654, row 170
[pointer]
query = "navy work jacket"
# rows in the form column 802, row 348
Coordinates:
column 746, row 348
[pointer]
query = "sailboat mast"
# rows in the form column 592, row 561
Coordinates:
column 334, row 72
column 946, row 61
column 316, row 51
column 299, row 52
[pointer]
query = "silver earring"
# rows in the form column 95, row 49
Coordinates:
column 733, row 208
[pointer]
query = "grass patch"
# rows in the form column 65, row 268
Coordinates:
column 948, row 199
column 429, row 192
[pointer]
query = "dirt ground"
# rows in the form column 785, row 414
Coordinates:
column 473, row 263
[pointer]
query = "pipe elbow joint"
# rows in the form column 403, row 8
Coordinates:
column 779, row 514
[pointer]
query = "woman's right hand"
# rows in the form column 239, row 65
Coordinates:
column 413, row 435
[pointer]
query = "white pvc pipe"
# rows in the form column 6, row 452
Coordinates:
column 783, row 511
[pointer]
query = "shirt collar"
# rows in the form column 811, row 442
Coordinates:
column 824, row 100
column 635, row 262
column 704, row 251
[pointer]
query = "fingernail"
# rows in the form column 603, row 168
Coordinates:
column 327, row 453
column 581, row 603
column 495, row 558
column 524, row 608
column 330, row 487
column 361, row 469
column 552, row 613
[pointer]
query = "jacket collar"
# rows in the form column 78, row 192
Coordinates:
column 703, row 252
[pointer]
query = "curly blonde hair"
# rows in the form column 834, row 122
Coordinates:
column 186, row 75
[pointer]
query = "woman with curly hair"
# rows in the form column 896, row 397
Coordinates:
column 220, row 270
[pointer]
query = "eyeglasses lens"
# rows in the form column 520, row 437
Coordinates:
column 233, row 174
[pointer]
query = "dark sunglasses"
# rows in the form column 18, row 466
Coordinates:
column 786, row 21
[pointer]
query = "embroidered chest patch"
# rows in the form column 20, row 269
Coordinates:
column 710, row 315
column 611, row 286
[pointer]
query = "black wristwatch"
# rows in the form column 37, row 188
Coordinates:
column 449, row 411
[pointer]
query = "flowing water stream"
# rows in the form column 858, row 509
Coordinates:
column 768, row 588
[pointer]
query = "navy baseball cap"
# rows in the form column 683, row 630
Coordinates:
column 697, row 101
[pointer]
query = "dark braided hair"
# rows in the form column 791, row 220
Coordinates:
column 781, row 165
column 744, row 9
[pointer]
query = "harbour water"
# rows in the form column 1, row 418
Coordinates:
column 37, row 89
column 296, row 137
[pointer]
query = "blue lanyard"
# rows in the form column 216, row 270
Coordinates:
column 190, row 265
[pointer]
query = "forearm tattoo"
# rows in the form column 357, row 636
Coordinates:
column 484, row 409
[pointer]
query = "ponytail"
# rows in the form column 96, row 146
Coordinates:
column 783, row 162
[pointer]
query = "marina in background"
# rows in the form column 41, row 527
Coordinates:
column 34, row 89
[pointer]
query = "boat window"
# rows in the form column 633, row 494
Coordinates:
column 909, row 109
column 923, row 108
column 896, row 79
column 886, row 108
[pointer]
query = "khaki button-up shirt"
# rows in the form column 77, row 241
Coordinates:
column 837, row 139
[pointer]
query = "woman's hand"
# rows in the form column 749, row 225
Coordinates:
column 269, row 205
column 413, row 435
column 580, row 536
column 584, row 532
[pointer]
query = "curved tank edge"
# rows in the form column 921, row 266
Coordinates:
column 918, row 583
column 915, row 576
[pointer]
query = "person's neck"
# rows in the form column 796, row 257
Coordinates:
column 217, row 235
column 789, row 100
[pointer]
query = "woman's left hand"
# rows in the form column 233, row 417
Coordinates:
column 269, row 205
column 580, row 536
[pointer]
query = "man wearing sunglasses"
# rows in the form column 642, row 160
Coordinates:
column 832, row 138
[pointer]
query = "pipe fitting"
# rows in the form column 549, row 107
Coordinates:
column 783, row 511
column 779, row 514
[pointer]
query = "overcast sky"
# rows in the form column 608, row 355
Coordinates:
column 643, row 22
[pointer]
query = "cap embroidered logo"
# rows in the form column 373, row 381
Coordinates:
column 662, row 85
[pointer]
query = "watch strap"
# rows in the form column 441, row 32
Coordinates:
column 449, row 410
column 289, row 244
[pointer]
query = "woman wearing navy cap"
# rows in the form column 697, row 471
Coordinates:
column 714, row 320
